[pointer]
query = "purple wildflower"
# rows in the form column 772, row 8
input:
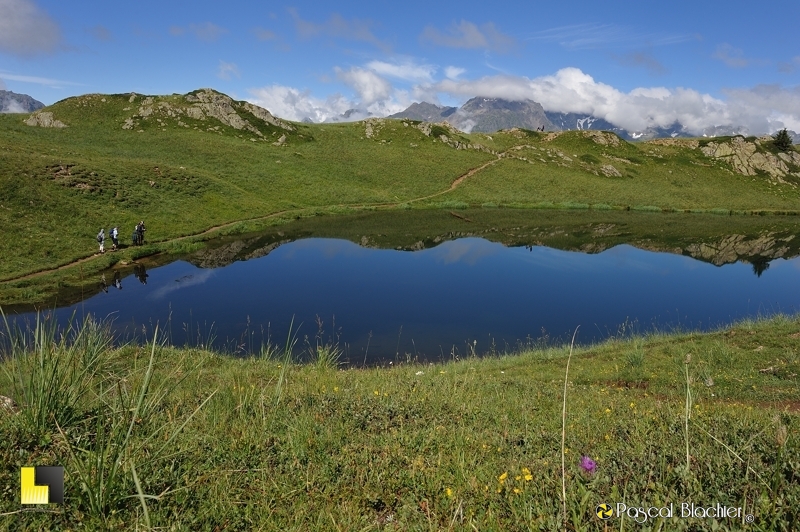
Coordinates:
column 588, row 464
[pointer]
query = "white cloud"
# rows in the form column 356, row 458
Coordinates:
column 407, row 71
column 297, row 105
column 766, row 108
column 54, row 83
column 13, row 107
column 370, row 86
column 466, row 34
column 593, row 35
column 762, row 109
column 226, row 70
column 26, row 30
column 452, row 72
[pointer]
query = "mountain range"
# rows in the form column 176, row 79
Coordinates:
column 487, row 115
column 11, row 102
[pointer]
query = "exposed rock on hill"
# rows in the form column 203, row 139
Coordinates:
column 12, row 102
column 44, row 119
column 745, row 158
column 202, row 105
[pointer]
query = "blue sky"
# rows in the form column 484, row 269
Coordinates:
column 633, row 63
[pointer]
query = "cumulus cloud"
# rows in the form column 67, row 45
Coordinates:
column 766, row 108
column 467, row 34
column 369, row 86
column 26, row 30
column 338, row 27
column 226, row 70
column 761, row 109
column 298, row 105
column 101, row 33
column 733, row 57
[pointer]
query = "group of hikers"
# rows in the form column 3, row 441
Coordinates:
column 137, row 238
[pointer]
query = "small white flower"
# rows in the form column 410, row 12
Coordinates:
column 420, row 373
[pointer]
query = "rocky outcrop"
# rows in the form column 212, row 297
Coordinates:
column 609, row 171
column 604, row 138
column 745, row 158
column 734, row 248
column 205, row 104
column 372, row 126
column 44, row 119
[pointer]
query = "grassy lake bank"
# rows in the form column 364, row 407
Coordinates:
column 126, row 157
column 187, row 439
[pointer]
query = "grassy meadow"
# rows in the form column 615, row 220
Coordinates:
column 154, row 437
column 184, row 439
column 191, row 178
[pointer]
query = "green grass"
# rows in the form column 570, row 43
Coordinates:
column 59, row 186
column 191, row 440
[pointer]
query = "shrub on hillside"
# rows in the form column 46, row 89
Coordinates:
column 782, row 140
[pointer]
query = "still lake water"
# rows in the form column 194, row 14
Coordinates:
column 382, row 305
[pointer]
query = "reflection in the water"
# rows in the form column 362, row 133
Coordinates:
column 462, row 295
column 141, row 273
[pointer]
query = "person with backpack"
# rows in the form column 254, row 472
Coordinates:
column 140, row 229
column 114, row 239
column 101, row 239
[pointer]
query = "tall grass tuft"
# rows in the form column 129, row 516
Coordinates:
column 51, row 372
column 123, row 430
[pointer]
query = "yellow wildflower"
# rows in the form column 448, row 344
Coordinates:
column 517, row 491
column 502, row 478
column 449, row 492
column 526, row 474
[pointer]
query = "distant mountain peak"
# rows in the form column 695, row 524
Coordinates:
column 11, row 102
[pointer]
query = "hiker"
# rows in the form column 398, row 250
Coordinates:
column 140, row 229
column 101, row 239
column 114, row 239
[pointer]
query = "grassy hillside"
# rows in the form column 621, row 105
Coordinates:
column 188, row 163
column 188, row 440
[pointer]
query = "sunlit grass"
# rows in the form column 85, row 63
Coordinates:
column 469, row 444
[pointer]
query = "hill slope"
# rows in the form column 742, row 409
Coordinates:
column 186, row 163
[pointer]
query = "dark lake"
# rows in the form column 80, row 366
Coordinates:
column 444, row 301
